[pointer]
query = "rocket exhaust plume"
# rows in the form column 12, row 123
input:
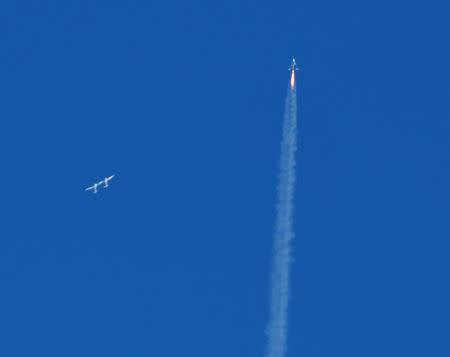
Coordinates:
column 284, row 232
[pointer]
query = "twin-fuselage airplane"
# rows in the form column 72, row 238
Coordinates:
column 95, row 185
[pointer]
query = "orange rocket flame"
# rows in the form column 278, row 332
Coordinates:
column 293, row 79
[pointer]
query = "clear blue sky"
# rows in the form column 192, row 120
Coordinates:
column 183, row 102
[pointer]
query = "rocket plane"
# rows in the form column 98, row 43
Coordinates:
column 293, row 67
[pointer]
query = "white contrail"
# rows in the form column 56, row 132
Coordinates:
column 284, row 233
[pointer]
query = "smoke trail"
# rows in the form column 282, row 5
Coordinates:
column 284, row 233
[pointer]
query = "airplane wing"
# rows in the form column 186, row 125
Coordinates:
column 89, row 188
column 110, row 177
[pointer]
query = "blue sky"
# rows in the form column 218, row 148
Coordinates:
column 183, row 102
